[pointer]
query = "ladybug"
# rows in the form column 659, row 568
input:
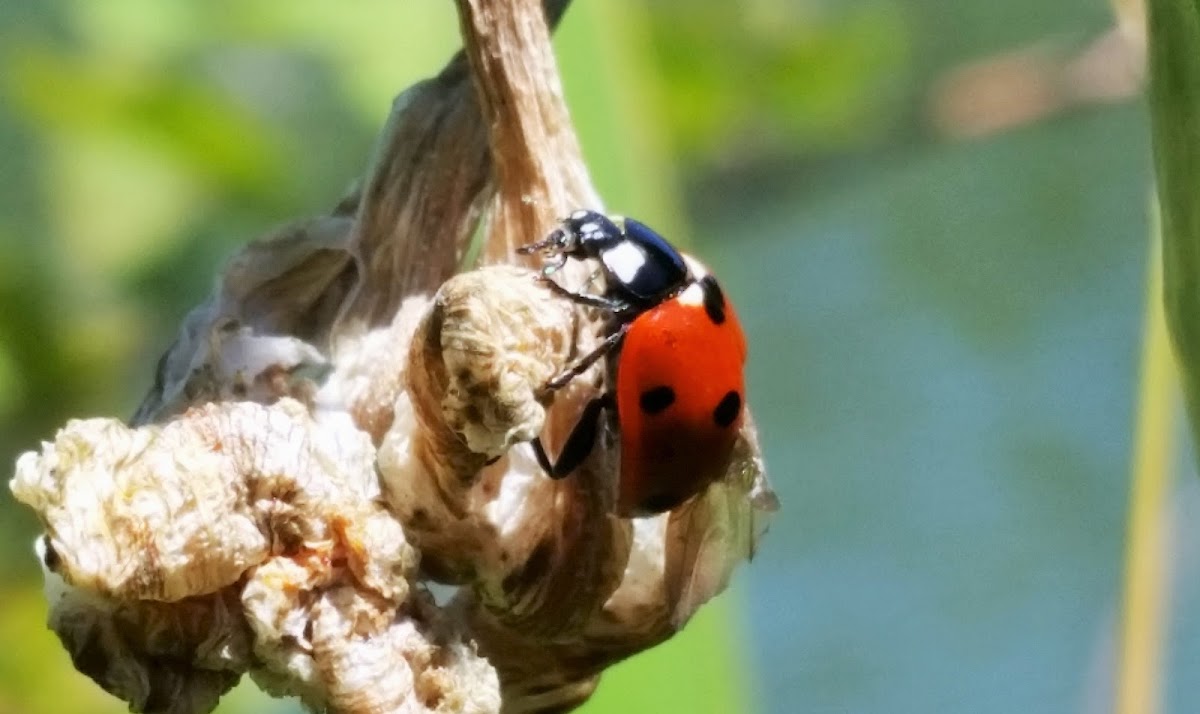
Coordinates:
column 676, row 358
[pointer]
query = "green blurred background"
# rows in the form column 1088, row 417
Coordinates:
column 932, row 216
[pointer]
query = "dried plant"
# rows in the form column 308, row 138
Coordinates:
column 344, row 422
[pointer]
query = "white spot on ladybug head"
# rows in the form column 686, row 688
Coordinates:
column 588, row 227
column 695, row 267
column 693, row 295
column 580, row 214
column 625, row 259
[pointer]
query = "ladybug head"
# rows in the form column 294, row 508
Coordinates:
column 585, row 234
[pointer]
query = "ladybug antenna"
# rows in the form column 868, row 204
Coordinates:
column 556, row 242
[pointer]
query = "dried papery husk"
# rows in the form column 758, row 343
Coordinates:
column 159, row 657
column 233, row 529
column 675, row 562
column 540, row 551
column 354, row 652
column 263, row 333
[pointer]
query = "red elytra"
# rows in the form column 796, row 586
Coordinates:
column 680, row 391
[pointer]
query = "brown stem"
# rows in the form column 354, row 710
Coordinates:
column 540, row 174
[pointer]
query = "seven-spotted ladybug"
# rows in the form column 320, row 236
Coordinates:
column 678, row 354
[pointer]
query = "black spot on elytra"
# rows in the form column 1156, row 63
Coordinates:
column 657, row 399
column 728, row 409
column 714, row 299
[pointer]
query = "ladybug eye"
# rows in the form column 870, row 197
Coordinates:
column 728, row 409
column 657, row 399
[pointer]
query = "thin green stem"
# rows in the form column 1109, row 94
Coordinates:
column 1143, row 611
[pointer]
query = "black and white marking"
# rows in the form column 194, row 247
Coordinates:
column 625, row 260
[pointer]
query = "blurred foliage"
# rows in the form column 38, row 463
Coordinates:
column 770, row 83
column 745, row 79
column 946, row 350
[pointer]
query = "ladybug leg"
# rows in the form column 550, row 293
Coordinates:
column 579, row 443
column 587, row 299
column 553, row 266
column 564, row 377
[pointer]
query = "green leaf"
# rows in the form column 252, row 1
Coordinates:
column 1174, row 57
